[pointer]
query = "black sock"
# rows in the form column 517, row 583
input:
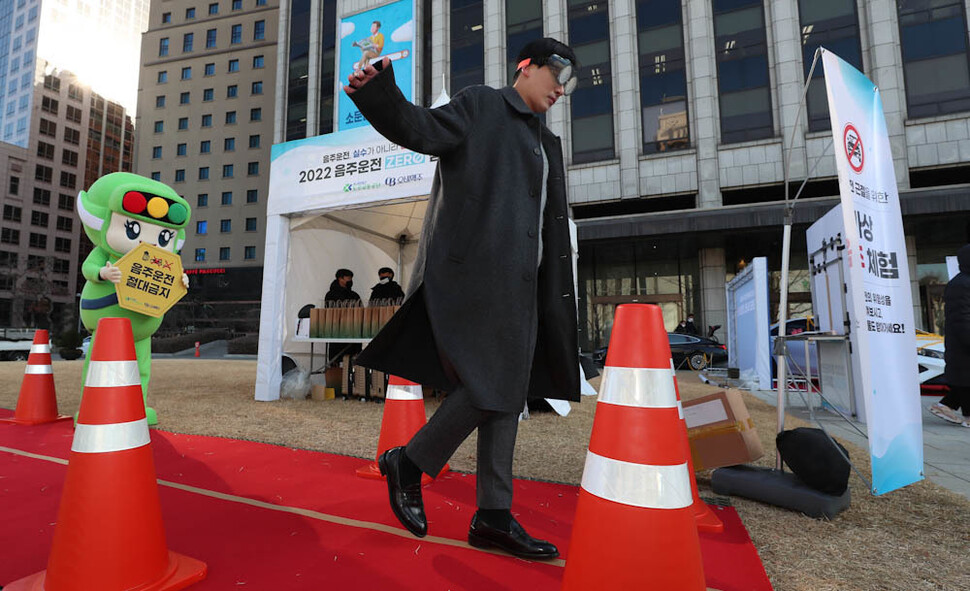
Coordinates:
column 497, row 518
column 409, row 470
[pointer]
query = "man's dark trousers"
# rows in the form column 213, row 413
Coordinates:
column 450, row 425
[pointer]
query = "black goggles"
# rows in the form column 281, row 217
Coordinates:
column 562, row 69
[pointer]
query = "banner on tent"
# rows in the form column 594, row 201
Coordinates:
column 385, row 31
column 344, row 168
column 748, row 331
column 882, row 304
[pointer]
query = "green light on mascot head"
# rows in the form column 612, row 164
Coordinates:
column 121, row 210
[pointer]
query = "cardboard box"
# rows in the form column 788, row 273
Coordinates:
column 346, row 375
column 378, row 384
column 721, row 431
column 322, row 393
column 360, row 381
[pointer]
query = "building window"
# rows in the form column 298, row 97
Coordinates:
column 160, row 102
column 52, row 82
column 297, row 70
column 232, row 91
column 49, row 105
column 159, row 126
column 203, row 173
column 189, row 13
column 200, row 255
column 259, row 30
column 180, row 175
column 187, row 41
column 254, row 141
column 65, row 224
column 38, row 240
column 45, row 150
column 64, row 202
column 202, row 200
column 252, row 196
column 184, row 98
column 48, row 128
column 227, row 171
column 328, row 68
column 744, row 92
column 163, row 47
column 207, row 95
column 258, row 62
column 467, row 43
column 250, row 224
column 62, row 266
column 205, row 146
column 523, row 23
column 225, row 226
column 233, row 65
column 74, row 92
column 156, row 176
column 592, row 101
column 237, row 4
column 833, row 24
column 72, row 136
column 224, row 253
column 210, row 70
column 156, row 152
column 936, row 66
column 187, row 73
column 250, row 253
column 12, row 213
column 181, row 149
column 256, row 114
column 73, row 114
column 214, row 8
column 69, row 158
column 43, row 197
column 227, row 197
column 252, row 168
column 14, row 187
column 183, row 123
column 166, row 18
column 229, row 144
column 39, row 218
column 201, row 227
column 43, row 173
column 210, row 38
column 68, row 180
column 260, row 2
column 663, row 80
column 257, row 87
column 62, row 244
column 230, row 117
column 207, row 121
column 10, row 236
column 235, row 34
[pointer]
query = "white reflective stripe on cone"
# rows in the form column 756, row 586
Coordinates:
column 40, row 348
column 640, row 387
column 404, row 393
column 107, row 374
column 680, row 407
column 639, row 485
column 38, row 369
column 92, row 439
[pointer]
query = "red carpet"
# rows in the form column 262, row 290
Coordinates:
column 302, row 520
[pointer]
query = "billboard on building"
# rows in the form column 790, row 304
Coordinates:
column 367, row 37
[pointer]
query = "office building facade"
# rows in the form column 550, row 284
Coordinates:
column 677, row 137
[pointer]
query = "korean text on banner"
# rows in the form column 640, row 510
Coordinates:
column 882, row 311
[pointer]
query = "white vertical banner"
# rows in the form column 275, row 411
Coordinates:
column 749, row 337
column 882, row 314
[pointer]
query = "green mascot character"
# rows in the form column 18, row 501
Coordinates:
column 119, row 211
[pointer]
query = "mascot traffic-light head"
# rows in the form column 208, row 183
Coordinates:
column 122, row 209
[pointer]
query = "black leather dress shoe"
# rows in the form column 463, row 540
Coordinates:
column 405, row 496
column 516, row 541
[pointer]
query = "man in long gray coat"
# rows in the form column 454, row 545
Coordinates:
column 490, row 313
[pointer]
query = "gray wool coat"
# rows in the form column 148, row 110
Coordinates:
column 480, row 310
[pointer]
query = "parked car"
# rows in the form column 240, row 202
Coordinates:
column 693, row 351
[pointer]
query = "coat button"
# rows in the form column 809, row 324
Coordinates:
column 563, row 256
column 559, row 217
column 536, row 151
column 532, row 233
column 566, row 295
column 527, row 276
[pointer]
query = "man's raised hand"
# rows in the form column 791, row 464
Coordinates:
column 364, row 75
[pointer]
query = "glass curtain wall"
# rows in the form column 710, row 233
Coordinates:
column 592, row 101
column 523, row 23
column 299, row 64
column 467, row 44
column 327, row 67
column 663, row 79
column 833, row 24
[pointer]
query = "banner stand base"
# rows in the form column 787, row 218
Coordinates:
column 781, row 489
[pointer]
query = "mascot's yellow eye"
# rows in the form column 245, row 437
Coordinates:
column 132, row 229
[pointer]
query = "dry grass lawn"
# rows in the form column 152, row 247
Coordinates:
column 913, row 539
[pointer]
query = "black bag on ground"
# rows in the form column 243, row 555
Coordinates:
column 814, row 460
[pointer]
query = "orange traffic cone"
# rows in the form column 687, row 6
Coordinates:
column 403, row 417
column 109, row 534
column 634, row 526
column 37, row 403
column 707, row 522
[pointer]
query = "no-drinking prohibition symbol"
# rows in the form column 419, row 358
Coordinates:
column 852, row 142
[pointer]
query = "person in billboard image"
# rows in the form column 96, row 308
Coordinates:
column 490, row 313
column 370, row 47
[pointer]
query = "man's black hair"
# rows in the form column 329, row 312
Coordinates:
column 344, row 273
column 383, row 270
column 539, row 51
